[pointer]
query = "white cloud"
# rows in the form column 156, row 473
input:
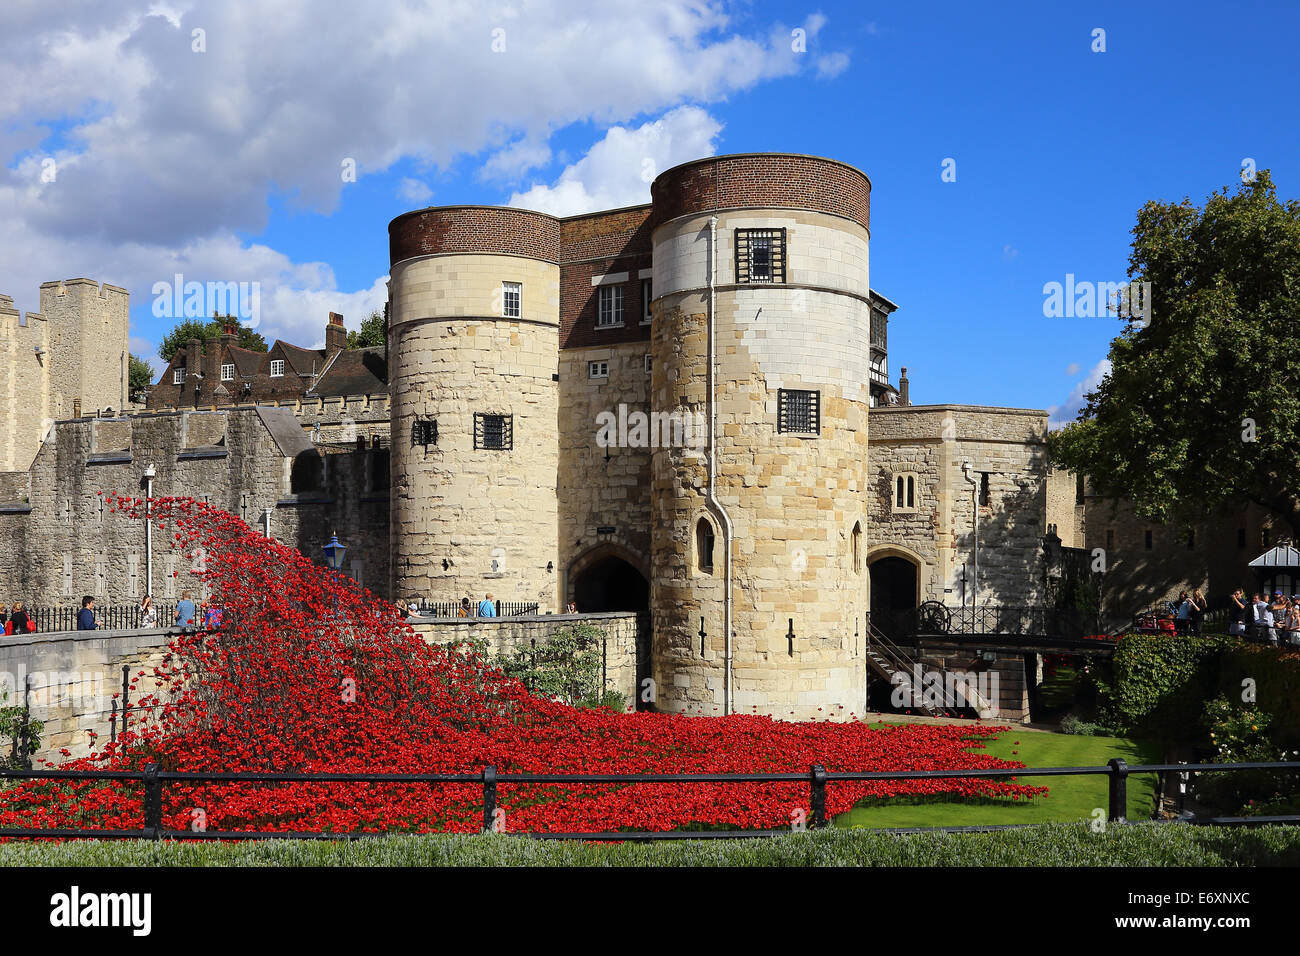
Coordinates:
column 1061, row 415
column 1072, row 369
column 617, row 170
column 832, row 65
column 515, row 160
column 413, row 190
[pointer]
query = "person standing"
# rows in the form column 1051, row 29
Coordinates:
column 1183, row 616
column 21, row 621
column 1238, row 611
column 148, row 615
column 4, row 620
column 86, row 616
column 464, row 607
column 1199, row 607
column 1291, row 623
column 486, row 608
column 185, row 610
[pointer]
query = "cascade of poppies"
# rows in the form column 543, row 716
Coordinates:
column 310, row 672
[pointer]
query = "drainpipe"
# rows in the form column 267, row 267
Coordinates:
column 149, row 473
column 712, row 497
column 975, row 531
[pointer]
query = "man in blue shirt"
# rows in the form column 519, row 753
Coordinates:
column 185, row 611
column 86, row 616
column 486, row 608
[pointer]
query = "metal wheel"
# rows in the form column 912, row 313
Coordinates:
column 933, row 618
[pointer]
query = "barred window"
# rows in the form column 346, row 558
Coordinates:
column 798, row 411
column 424, row 431
column 760, row 255
column 611, row 306
column 494, row 431
column 511, row 299
column 646, row 297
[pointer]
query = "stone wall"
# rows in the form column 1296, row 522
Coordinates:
column 505, row 635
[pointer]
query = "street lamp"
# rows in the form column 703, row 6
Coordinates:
column 334, row 552
column 149, row 472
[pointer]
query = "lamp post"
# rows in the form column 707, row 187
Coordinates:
column 334, row 552
column 149, row 472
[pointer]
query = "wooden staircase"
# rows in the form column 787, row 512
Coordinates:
column 896, row 666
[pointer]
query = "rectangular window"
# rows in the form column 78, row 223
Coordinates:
column 178, row 375
column 649, row 363
column 646, row 296
column 424, row 431
column 495, row 432
column 611, row 306
column 798, row 411
column 760, row 255
column 597, row 370
column 228, row 373
column 512, row 294
column 985, row 497
column 277, row 368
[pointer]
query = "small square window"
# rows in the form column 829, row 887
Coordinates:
column 646, row 297
column 597, row 370
column 511, row 299
column 178, row 375
column 228, row 373
column 760, row 255
column 611, row 306
column 424, row 432
column 798, row 411
column 494, row 432
column 277, row 368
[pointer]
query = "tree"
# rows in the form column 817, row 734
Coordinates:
column 373, row 333
column 139, row 376
column 180, row 334
column 1201, row 408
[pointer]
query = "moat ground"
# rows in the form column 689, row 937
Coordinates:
column 1069, row 799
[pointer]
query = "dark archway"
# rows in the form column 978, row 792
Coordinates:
column 611, row 584
column 893, row 591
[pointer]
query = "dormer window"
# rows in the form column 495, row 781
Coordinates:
column 228, row 373
column 178, row 375
column 277, row 368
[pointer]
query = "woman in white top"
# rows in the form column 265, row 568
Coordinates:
column 148, row 616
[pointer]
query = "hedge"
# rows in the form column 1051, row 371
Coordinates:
column 1159, row 684
column 1138, row 844
column 1276, row 676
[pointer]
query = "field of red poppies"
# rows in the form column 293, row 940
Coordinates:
column 312, row 673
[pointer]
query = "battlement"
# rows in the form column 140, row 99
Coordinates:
column 103, row 291
column 11, row 317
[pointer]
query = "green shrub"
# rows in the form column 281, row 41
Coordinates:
column 1158, row 683
column 565, row 666
column 19, row 738
column 1240, row 734
column 1272, row 676
column 1073, row 724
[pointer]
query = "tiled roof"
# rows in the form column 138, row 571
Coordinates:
column 355, row 372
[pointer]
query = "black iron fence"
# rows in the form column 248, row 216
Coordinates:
column 154, row 778
column 455, row 609
column 112, row 617
column 939, row 620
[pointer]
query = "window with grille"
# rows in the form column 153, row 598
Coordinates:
column 512, row 294
column 277, row 368
column 798, row 411
column 178, row 375
column 424, row 432
column 494, row 431
column 611, row 306
column 227, row 373
column 760, row 255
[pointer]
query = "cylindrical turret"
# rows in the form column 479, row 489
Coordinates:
column 762, row 328
column 473, row 357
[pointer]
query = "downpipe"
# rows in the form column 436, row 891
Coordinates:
column 714, row 504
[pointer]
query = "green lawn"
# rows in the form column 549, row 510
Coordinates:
column 1069, row 799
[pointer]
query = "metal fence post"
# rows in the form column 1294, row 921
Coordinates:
column 818, row 796
column 489, row 797
column 152, row 802
column 112, row 724
column 1118, row 790
column 126, row 694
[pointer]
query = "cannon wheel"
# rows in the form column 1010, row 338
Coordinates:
column 933, row 618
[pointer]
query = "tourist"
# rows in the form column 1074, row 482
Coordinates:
column 464, row 607
column 213, row 616
column 1237, row 612
column 571, row 608
column 413, row 609
column 19, row 622
column 1183, row 616
column 1199, row 607
column 1264, row 620
column 148, row 614
column 486, row 608
column 86, row 616
column 4, row 618
column 1291, row 623
column 1279, row 607
column 185, row 610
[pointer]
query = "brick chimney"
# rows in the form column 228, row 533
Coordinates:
column 336, row 336
column 903, row 398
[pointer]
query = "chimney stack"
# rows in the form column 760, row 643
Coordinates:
column 903, row 398
column 336, row 336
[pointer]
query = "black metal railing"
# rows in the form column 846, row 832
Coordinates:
column 935, row 620
column 153, row 778
column 454, row 609
column 111, row 617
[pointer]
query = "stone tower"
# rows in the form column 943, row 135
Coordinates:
column 473, row 363
column 762, row 326
column 70, row 356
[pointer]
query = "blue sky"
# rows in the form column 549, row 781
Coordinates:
column 223, row 163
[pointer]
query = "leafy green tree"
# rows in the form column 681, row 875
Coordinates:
column 373, row 333
column 139, row 376
column 175, row 340
column 1201, row 408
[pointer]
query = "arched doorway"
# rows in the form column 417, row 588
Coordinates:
column 609, row 578
column 894, row 590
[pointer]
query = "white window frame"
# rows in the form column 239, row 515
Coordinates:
column 228, row 372
column 609, row 311
column 178, row 375
column 598, row 369
column 647, row 295
column 509, row 291
column 277, row 364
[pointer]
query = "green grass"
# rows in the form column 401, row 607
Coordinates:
column 1144, row 844
column 1070, row 799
